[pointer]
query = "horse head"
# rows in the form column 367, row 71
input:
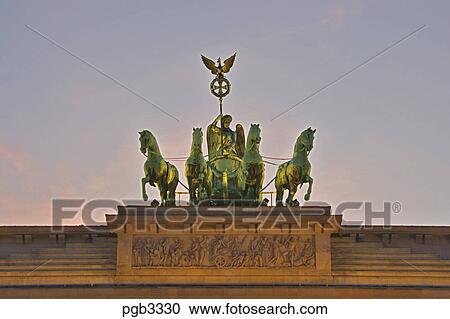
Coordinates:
column 148, row 142
column 254, row 136
column 197, row 139
column 306, row 139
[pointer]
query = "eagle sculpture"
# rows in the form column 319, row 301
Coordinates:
column 220, row 69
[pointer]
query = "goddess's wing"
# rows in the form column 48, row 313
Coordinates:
column 240, row 140
column 213, row 141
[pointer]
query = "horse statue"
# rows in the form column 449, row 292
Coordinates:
column 198, row 173
column 296, row 171
column 157, row 170
column 253, row 164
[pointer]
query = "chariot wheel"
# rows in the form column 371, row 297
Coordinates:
column 220, row 261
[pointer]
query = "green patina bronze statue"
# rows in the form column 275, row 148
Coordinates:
column 223, row 140
column 234, row 170
column 198, row 173
column 297, row 171
column 225, row 151
column 253, row 164
column 157, row 170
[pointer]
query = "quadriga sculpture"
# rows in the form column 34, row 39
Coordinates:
column 198, row 173
column 253, row 164
column 157, row 170
column 296, row 171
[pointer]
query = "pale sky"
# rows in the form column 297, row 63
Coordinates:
column 68, row 131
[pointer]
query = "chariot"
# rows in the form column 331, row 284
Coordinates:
column 228, row 177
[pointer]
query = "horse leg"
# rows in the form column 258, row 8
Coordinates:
column 208, row 183
column 251, row 193
column 308, row 180
column 245, row 191
column 209, row 190
column 281, row 184
column 144, row 181
column 254, row 194
column 249, row 187
column 171, row 195
column 193, row 193
column 203, row 191
column 279, row 199
column 171, row 186
column 292, row 191
column 163, row 195
column 191, row 187
column 259, row 181
column 163, row 188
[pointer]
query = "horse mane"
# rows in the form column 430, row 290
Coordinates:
column 298, row 144
column 154, row 143
column 252, row 131
column 248, row 145
column 200, row 140
column 251, row 154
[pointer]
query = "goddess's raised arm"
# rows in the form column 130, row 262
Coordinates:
column 214, row 126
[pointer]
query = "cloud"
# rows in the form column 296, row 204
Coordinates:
column 16, row 210
column 336, row 16
column 15, row 159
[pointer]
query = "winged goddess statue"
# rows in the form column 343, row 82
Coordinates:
column 223, row 140
column 220, row 69
column 226, row 147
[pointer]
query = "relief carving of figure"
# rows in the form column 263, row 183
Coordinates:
column 174, row 252
column 224, row 251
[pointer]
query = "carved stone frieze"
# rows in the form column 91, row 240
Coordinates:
column 224, row 251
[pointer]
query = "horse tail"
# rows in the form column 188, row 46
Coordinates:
column 176, row 177
column 281, row 175
column 188, row 170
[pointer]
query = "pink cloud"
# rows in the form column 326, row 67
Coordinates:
column 16, row 210
column 334, row 18
column 14, row 158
